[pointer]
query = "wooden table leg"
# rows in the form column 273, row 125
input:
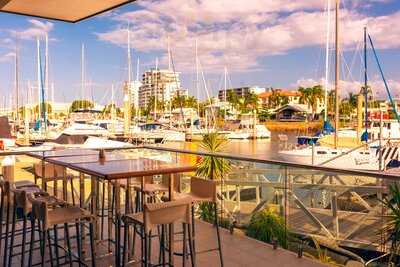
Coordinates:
column 109, row 214
column 117, row 222
column 171, row 244
column 171, row 226
column 171, row 187
column 82, row 190
column 93, row 194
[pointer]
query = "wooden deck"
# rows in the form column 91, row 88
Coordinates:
column 359, row 229
column 238, row 250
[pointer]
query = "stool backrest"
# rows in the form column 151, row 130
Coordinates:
column 204, row 188
column 21, row 200
column 166, row 213
column 50, row 170
column 177, row 181
column 39, row 210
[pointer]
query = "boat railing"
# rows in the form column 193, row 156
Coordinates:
column 357, row 148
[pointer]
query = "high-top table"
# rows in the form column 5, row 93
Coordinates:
column 116, row 170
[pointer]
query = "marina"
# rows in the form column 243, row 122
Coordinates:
column 131, row 136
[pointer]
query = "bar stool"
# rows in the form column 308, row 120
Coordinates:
column 153, row 216
column 54, row 173
column 6, row 203
column 22, row 207
column 152, row 189
column 51, row 216
column 203, row 191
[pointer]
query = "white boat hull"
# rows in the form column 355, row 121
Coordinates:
column 360, row 160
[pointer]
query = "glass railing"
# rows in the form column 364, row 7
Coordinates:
column 278, row 202
column 337, row 208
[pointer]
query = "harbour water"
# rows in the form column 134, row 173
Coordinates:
column 260, row 148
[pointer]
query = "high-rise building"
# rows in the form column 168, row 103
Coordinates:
column 134, row 90
column 161, row 84
column 240, row 91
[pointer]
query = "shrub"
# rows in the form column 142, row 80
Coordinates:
column 266, row 226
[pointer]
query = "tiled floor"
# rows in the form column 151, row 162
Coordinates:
column 238, row 250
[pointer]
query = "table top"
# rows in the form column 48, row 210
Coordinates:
column 119, row 169
column 63, row 153
column 66, row 161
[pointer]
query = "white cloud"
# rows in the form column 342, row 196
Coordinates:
column 36, row 29
column 8, row 57
column 240, row 33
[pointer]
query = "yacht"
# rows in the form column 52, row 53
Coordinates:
column 248, row 128
column 361, row 159
column 157, row 132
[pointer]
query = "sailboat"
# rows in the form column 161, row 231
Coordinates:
column 363, row 158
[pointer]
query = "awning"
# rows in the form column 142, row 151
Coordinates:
column 64, row 10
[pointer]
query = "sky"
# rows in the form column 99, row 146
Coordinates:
column 267, row 43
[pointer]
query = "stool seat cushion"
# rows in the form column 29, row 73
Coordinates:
column 194, row 197
column 152, row 189
column 133, row 218
column 66, row 215
column 24, row 183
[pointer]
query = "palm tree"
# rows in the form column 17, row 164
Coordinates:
column 191, row 102
column 276, row 99
column 352, row 99
column 392, row 226
column 178, row 101
column 233, row 99
column 251, row 101
column 108, row 108
column 311, row 96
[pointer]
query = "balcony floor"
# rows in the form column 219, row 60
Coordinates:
column 238, row 250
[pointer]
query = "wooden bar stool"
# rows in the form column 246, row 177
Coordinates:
column 51, row 216
column 54, row 173
column 23, row 208
column 151, row 190
column 153, row 216
column 203, row 191
column 6, row 204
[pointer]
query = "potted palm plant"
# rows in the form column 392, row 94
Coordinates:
column 212, row 167
column 392, row 226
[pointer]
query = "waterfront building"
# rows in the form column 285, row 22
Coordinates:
column 160, row 83
column 292, row 97
column 134, row 88
column 240, row 91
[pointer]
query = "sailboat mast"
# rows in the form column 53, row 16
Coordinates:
column 197, row 81
column 39, row 80
column 46, row 73
column 365, row 85
column 156, row 91
column 129, row 58
column 337, row 70
column 169, row 54
column 328, row 31
column 16, row 82
column 169, row 68
column 127, row 89
column 82, row 73
column 225, row 77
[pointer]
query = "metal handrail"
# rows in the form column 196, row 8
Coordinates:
column 375, row 174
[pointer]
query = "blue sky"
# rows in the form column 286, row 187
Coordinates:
column 278, row 43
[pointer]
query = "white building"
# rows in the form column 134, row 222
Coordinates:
column 134, row 88
column 161, row 84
